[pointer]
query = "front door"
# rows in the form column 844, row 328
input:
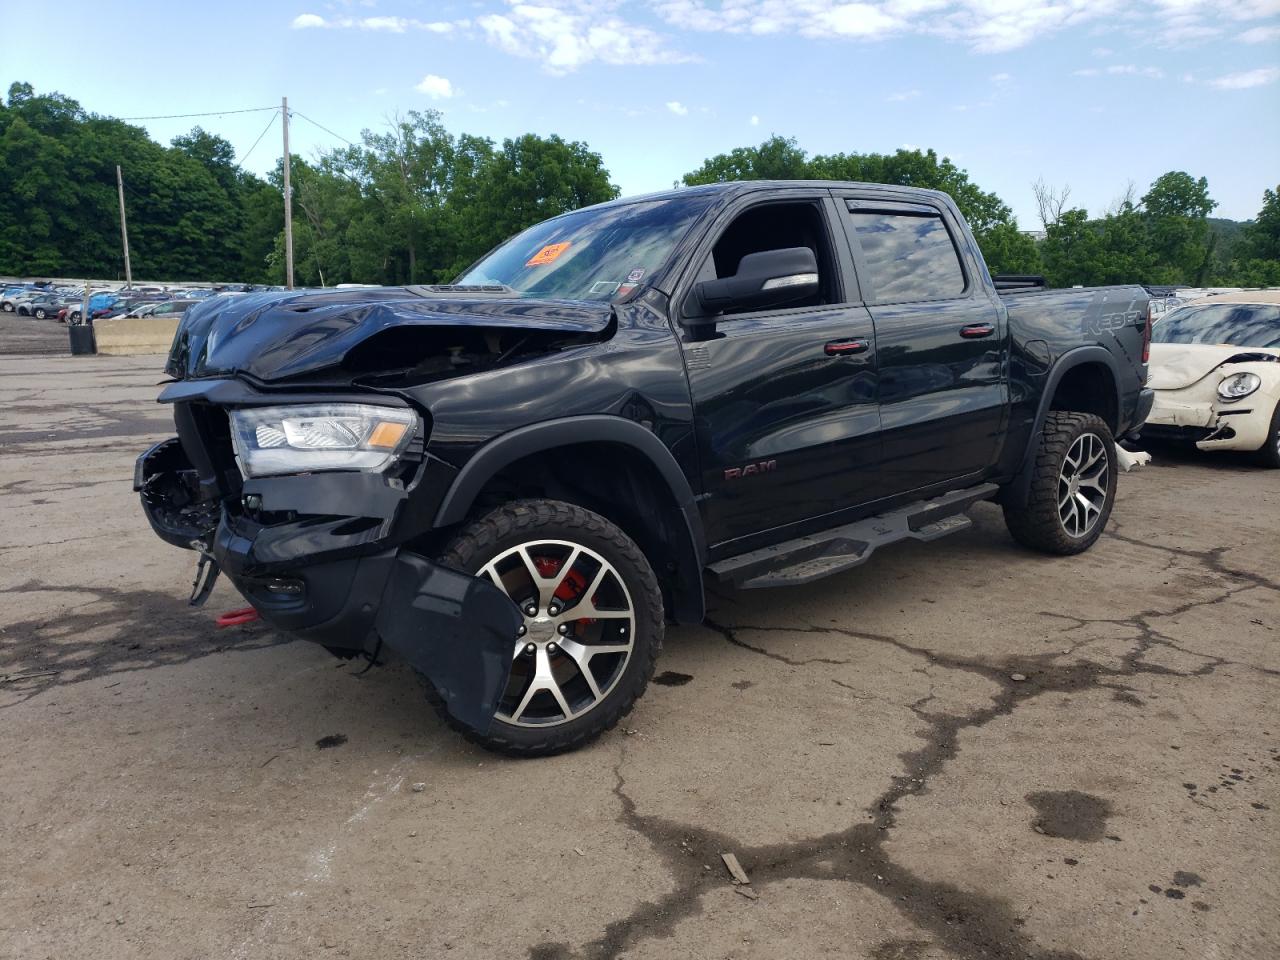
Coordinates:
column 784, row 399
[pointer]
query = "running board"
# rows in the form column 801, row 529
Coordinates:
column 840, row 548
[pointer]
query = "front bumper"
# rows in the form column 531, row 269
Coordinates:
column 1188, row 415
column 319, row 556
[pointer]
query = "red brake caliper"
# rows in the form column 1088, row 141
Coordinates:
column 570, row 587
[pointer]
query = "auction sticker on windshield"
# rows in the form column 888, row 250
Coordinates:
column 547, row 254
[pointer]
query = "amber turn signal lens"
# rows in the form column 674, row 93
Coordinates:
column 386, row 435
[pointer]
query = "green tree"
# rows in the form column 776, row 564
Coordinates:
column 1177, row 209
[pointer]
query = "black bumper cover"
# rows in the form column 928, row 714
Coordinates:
column 337, row 581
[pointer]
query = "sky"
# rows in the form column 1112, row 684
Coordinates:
column 1090, row 94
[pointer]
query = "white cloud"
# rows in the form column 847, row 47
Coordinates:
column 1001, row 77
column 755, row 121
column 1122, row 70
column 902, row 95
column 1260, row 35
column 986, row 26
column 566, row 35
column 437, row 88
column 569, row 36
column 1247, row 79
column 378, row 24
column 855, row 20
column 678, row 108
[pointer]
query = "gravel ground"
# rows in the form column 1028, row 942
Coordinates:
column 959, row 750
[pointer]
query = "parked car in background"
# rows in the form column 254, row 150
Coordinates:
column 41, row 307
column 14, row 296
column 165, row 308
column 99, row 305
column 1215, row 369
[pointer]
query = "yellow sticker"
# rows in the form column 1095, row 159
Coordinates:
column 547, row 254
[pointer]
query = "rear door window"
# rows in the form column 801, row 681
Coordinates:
column 908, row 256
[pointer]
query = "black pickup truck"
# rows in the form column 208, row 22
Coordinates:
column 516, row 480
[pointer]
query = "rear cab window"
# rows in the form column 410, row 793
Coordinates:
column 908, row 254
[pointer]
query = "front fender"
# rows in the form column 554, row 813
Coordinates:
column 457, row 630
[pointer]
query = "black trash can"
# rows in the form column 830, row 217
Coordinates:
column 82, row 341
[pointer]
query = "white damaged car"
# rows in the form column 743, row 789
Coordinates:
column 1215, row 370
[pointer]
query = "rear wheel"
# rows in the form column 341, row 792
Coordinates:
column 593, row 622
column 1073, row 486
column 40, row 313
column 1269, row 453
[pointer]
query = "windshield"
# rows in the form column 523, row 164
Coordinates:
column 595, row 254
column 1235, row 324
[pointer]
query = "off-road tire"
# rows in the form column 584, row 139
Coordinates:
column 1268, row 454
column 1037, row 524
column 525, row 520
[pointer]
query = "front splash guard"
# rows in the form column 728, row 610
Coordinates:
column 457, row 630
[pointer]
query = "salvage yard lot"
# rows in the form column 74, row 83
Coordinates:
column 959, row 750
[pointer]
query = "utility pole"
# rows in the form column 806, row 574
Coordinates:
column 124, row 230
column 288, row 199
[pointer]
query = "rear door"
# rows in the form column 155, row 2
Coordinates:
column 941, row 341
column 784, row 399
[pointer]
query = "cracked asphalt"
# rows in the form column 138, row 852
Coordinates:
column 959, row 750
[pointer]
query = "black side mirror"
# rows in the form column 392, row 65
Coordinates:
column 770, row 278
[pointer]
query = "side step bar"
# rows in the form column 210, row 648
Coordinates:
column 840, row 548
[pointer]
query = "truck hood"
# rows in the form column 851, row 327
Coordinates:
column 1177, row 365
column 283, row 334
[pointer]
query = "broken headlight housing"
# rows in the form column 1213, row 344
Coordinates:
column 303, row 438
column 1238, row 385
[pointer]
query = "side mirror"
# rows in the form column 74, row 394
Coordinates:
column 770, row 278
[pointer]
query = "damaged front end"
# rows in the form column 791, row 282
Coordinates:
column 301, row 469
column 1226, row 407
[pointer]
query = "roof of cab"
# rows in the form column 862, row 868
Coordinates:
column 735, row 187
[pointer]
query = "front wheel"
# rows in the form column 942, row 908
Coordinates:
column 1269, row 453
column 41, row 314
column 593, row 622
column 1073, row 486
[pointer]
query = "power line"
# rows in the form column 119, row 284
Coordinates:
column 211, row 113
column 258, row 141
column 295, row 113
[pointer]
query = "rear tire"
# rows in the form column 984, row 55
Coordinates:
column 1269, row 453
column 588, row 565
column 40, row 314
column 1073, row 486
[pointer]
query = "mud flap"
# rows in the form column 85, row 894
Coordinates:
column 457, row 630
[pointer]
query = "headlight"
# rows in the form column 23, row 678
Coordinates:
column 1238, row 385
column 338, row 436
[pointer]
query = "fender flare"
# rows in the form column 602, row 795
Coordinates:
column 1018, row 492
column 516, row 444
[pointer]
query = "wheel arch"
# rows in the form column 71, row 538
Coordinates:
column 678, row 545
column 1074, row 378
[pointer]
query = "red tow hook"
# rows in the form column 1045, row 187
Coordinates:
column 236, row 618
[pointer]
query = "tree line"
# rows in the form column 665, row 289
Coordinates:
column 415, row 203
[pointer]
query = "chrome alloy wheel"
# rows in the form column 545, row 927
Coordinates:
column 1082, row 484
column 577, row 635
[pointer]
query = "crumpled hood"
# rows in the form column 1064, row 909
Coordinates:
column 1177, row 365
column 282, row 334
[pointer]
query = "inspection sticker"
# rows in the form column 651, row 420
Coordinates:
column 547, row 254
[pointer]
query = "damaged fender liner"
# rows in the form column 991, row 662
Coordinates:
column 457, row 630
